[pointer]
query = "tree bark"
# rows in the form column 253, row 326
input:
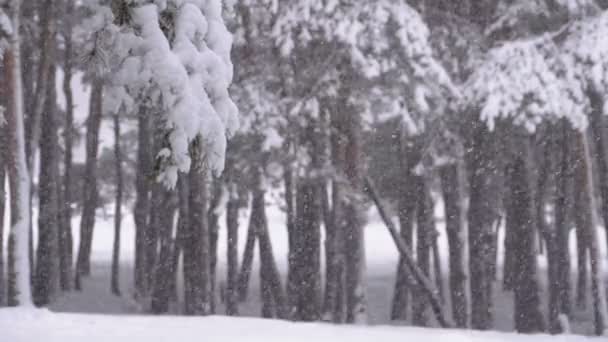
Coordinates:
column 246, row 264
column 19, row 291
column 481, row 216
column 587, row 218
column 47, row 280
column 521, row 220
column 3, row 166
column 142, row 200
column 424, row 229
column 90, row 196
column 115, row 278
column 66, row 243
column 196, row 247
column 213, row 216
column 232, row 225
column 453, row 199
column 409, row 158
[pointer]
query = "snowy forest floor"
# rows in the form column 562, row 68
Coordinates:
column 382, row 258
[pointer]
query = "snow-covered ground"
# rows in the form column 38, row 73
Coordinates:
column 21, row 325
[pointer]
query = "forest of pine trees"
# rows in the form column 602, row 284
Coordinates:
column 344, row 114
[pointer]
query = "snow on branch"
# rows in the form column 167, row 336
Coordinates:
column 174, row 57
column 526, row 81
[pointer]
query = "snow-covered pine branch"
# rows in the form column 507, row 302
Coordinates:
column 174, row 57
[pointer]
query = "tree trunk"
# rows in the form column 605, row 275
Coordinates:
column 19, row 291
column 306, row 259
column 559, row 251
column 181, row 234
column 597, row 132
column 246, row 265
column 90, row 196
column 46, row 281
column 521, row 220
column 163, row 209
column 3, row 160
column 213, row 215
column 409, row 157
column 142, row 200
column 587, row 218
column 453, row 199
column 115, row 281
column 196, row 247
column 232, row 225
column 424, row 231
column 481, row 216
column 271, row 279
column 65, row 233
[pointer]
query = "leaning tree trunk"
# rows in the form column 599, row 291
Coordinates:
column 142, row 200
column 46, row 280
column 481, row 216
column 247, row 263
column 66, row 243
column 19, row 292
column 521, row 220
column 115, row 278
column 453, row 199
column 90, row 195
column 587, row 218
column 424, row 231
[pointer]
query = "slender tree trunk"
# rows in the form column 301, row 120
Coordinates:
column 90, row 196
column 306, row 260
column 424, row 230
column 246, row 265
column 587, row 217
column 582, row 262
column 115, row 281
column 232, row 225
column 142, row 200
column 481, row 217
column 3, row 160
column 65, row 238
column 271, row 278
column 213, row 215
column 597, row 125
column 181, row 234
column 46, row 281
column 196, row 248
column 453, row 199
column 559, row 251
column 19, row 291
column 520, row 215
column 410, row 156
column 163, row 209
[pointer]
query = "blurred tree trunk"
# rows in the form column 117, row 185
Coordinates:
column 453, row 199
column 3, row 155
column 232, row 225
column 424, row 231
column 142, row 200
column 180, row 234
column 479, row 154
column 588, row 221
column 66, row 243
column 409, row 158
column 115, row 277
column 90, row 195
column 47, row 280
column 521, row 221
